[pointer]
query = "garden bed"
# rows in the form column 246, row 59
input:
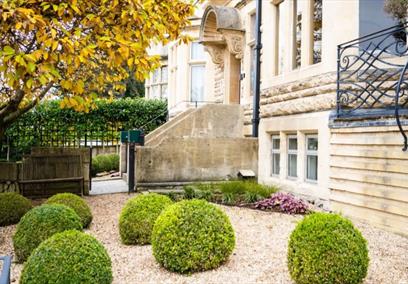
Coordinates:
column 259, row 256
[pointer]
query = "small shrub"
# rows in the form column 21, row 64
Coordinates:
column 283, row 202
column 105, row 163
column 242, row 187
column 251, row 197
column 192, row 235
column 39, row 224
column 12, row 207
column 76, row 203
column 327, row 248
column 199, row 191
column 68, row 257
column 229, row 198
column 138, row 216
column 189, row 192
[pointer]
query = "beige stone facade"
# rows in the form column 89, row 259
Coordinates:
column 358, row 170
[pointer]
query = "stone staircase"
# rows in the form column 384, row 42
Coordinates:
column 203, row 144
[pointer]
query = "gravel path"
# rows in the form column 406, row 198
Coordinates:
column 259, row 256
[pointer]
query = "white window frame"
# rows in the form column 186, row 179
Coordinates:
column 159, row 83
column 311, row 153
column 192, row 63
column 275, row 151
column 292, row 152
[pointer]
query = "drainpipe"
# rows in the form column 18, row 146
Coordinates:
column 258, row 47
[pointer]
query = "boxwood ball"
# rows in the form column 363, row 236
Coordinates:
column 13, row 206
column 138, row 216
column 39, row 224
column 68, row 257
column 327, row 248
column 76, row 203
column 192, row 235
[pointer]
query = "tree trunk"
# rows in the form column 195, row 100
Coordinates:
column 2, row 131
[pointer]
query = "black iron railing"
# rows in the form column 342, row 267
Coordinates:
column 372, row 77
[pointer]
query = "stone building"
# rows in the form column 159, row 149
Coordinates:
column 327, row 127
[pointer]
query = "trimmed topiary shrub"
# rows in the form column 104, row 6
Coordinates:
column 327, row 248
column 12, row 207
column 68, row 257
column 192, row 235
column 138, row 216
column 39, row 224
column 74, row 202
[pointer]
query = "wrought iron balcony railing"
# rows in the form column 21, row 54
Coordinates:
column 372, row 76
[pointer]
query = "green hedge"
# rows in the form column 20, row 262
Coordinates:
column 51, row 125
column 327, row 248
column 39, row 224
column 13, row 206
column 74, row 202
column 138, row 216
column 105, row 163
column 192, row 235
column 68, row 257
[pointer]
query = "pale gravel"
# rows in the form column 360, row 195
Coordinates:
column 259, row 256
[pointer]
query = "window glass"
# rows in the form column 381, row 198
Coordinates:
column 292, row 165
column 164, row 74
column 311, row 157
column 197, row 51
column 164, row 91
column 293, row 144
column 292, row 156
column 275, row 155
column 298, row 33
column 253, row 26
column 156, row 76
column 312, row 143
column 155, row 91
column 281, row 41
column 317, row 31
column 253, row 67
column 197, row 82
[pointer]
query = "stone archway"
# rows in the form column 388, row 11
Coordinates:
column 223, row 37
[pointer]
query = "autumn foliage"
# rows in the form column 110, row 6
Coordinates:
column 79, row 48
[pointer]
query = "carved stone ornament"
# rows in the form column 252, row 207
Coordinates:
column 216, row 52
column 235, row 42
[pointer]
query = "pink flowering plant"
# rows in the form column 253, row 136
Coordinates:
column 283, row 202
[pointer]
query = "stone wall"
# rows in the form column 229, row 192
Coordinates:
column 9, row 175
column 199, row 145
column 317, row 93
column 195, row 159
column 101, row 150
column 219, row 85
column 369, row 175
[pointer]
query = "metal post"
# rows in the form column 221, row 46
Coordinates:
column 90, row 168
column 258, row 47
column 338, row 83
column 131, row 168
column 5, row 273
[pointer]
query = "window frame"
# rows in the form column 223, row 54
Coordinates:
column 194, row 63
column 275, row 137
column 314, row 153
column 292, row 152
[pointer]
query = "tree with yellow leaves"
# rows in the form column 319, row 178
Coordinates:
column 76, row 48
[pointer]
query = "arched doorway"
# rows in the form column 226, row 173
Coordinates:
column 223, row 37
